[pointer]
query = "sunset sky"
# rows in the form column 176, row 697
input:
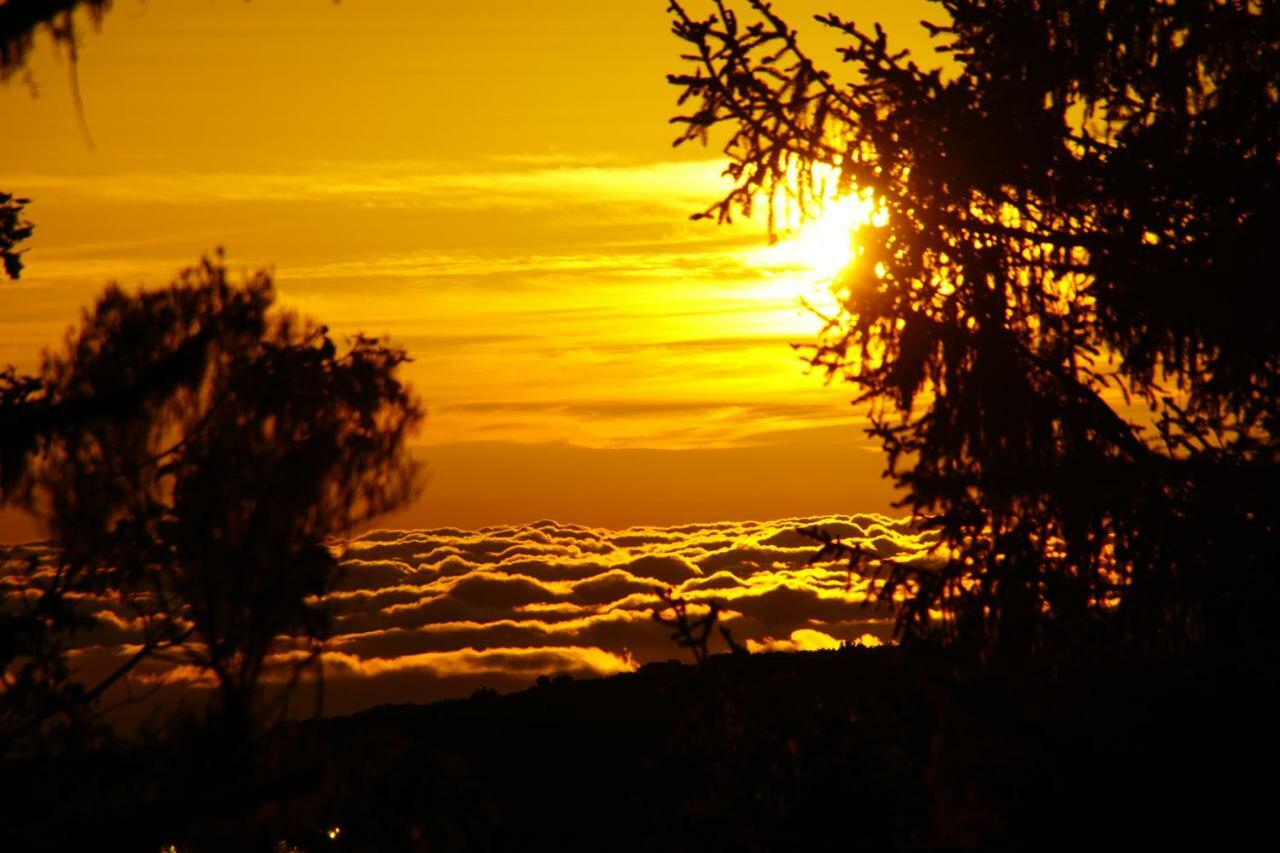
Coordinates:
column 491, row 184
column 408, row 440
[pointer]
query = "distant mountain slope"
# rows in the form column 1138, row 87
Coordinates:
column 875, row 749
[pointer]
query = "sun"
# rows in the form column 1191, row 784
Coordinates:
column 804, row 264
column 823, row 246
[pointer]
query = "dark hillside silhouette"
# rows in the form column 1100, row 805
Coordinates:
column 761, row 752
column 1077, row 224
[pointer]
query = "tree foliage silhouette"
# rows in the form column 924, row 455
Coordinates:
column 693, row 632
column 13, row 231
column 21, row 19
column 1057, row 315
column 205, row 448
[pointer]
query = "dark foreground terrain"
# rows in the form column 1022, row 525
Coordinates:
column 867, row 749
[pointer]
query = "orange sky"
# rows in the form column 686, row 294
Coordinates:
column 491, row 184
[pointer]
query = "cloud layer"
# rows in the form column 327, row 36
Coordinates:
column 428, row 614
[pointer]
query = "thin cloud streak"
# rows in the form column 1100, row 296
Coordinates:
column 666, row 186
column 655, row 309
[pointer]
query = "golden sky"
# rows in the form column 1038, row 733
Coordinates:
column 492, row 185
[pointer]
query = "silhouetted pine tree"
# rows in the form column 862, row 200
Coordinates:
column 1059, row 316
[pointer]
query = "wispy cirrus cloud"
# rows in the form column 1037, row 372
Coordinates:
column 582, row 270
column 535, row 183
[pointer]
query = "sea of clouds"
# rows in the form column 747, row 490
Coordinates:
column 429, row 614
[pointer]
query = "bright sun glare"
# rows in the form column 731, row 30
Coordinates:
column 810, row 254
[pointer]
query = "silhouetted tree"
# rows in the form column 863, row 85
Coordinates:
column 207, row 448
column 13, row 230
column 41, row 705
column 1059, row 313
column 20, row 20
column 38, row 616
column 693, row 632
